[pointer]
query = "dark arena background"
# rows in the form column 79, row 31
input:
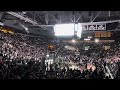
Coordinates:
column 60, row 45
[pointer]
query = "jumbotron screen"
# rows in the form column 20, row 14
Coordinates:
column 67, row 29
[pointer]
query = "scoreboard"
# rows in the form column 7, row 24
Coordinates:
column 103, row 34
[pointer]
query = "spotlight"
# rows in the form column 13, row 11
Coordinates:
column 86, row 39
column 73, row 41
column 26, row 28
column 24, row 12
column 47, row 55
column 97, row 40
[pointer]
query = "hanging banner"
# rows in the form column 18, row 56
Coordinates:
column 93, row 26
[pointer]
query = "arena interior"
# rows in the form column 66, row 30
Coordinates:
column 60, row 45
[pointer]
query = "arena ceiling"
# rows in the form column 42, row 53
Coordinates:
column 44, row 20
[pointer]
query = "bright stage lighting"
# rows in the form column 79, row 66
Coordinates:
column 96, row 40
column 47, row 55
column 73, row 41
column 87, row 39
column 26, row 28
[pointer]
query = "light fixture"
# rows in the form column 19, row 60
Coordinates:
column 86, row 39
column 24, row 12
column 73, row 41
column 47, row 55
column 90, row 37
column 26, row 28
column 97, row 40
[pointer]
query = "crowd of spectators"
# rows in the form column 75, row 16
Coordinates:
column 33, row 70
column 19, row 46
column 21, row 58
column 97, row 54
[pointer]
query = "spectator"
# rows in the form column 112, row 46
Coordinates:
column 22, row 55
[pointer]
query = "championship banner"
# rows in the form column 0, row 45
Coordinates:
column 93, row 26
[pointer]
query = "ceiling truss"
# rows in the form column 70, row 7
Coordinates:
column 46, row 19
